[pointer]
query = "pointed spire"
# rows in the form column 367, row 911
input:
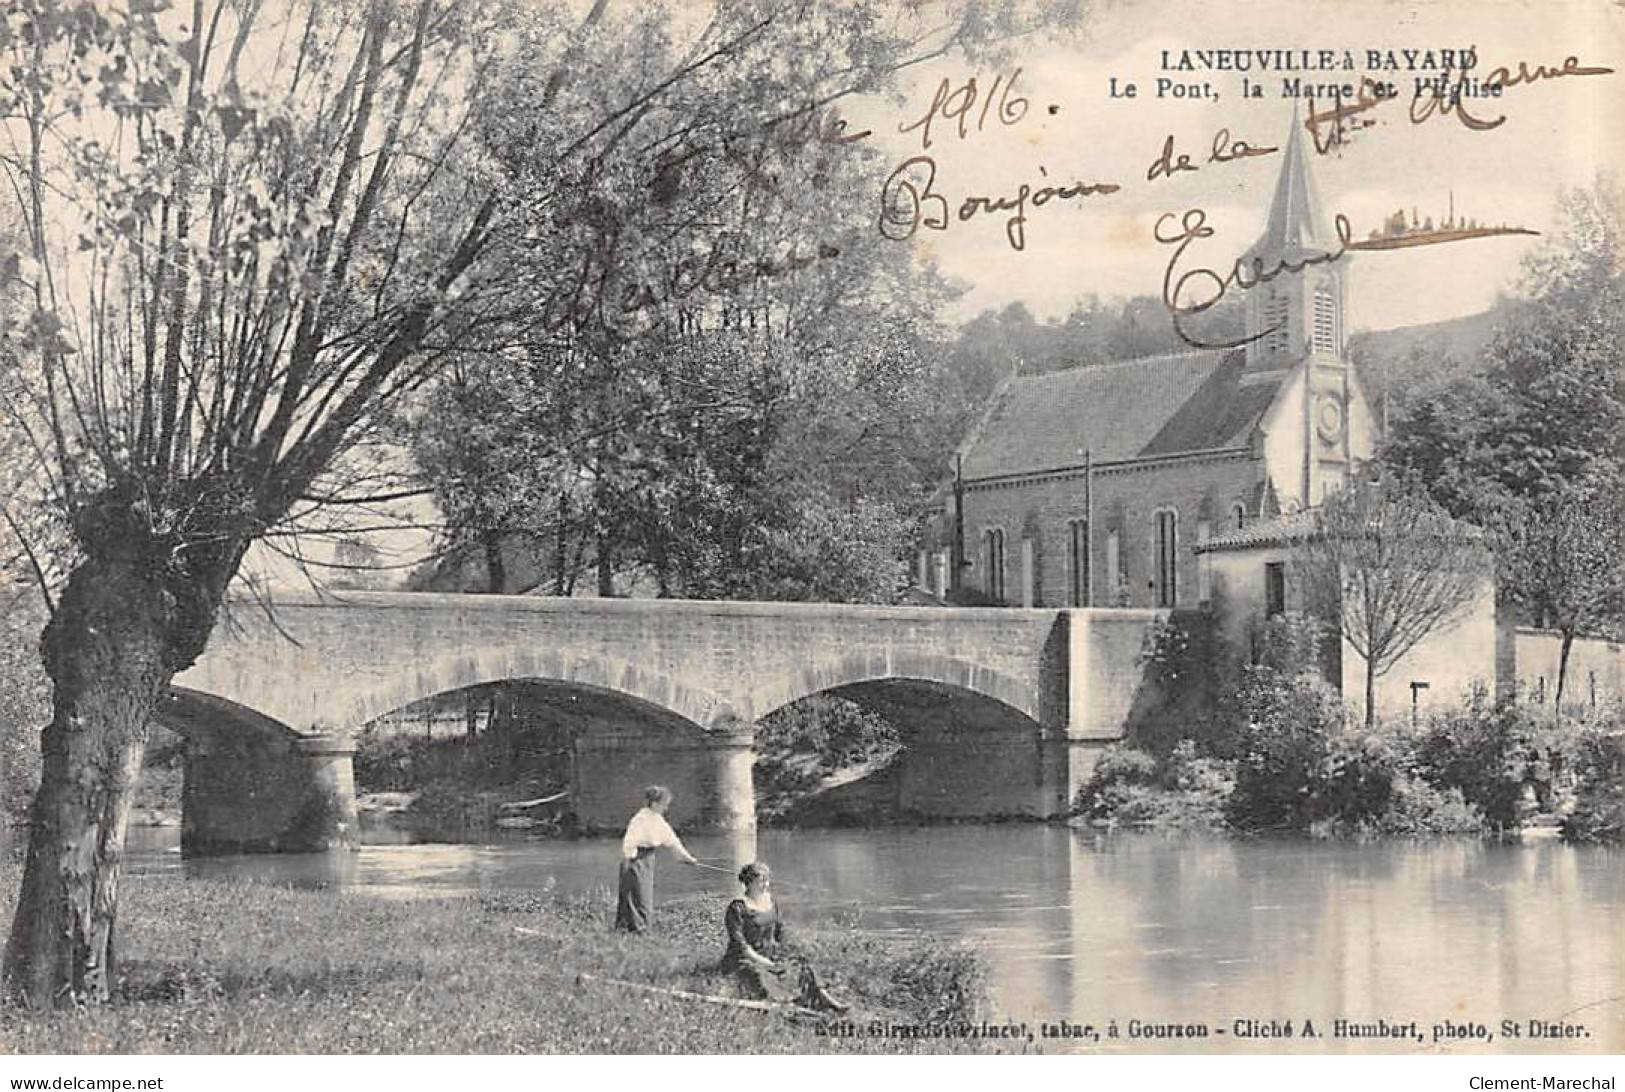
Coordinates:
column 1295, row 223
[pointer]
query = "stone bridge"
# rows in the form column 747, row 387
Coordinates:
column 1002, row 711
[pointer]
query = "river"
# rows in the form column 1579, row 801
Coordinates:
column 1089, row 928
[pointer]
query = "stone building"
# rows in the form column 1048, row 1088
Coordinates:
column 1178, row 482
column 1092, row 486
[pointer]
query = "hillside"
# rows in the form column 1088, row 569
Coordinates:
column 1412, row 358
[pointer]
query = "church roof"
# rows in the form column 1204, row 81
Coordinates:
column 1295, row 225
column 1132, row 409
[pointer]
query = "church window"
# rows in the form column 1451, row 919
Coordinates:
column 1114, row 562
column 1167, row 558
column 993, row 555
column 1238, row 515
column 1078, row 555
column 1204, row 575
column 1325, row 340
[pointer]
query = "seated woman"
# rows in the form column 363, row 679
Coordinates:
column 767, row 967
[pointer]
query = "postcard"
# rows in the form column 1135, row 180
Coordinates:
column 816, row 528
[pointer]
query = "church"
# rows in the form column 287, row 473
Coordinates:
column 1101, row 484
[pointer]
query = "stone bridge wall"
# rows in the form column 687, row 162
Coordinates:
column 715, row 663
column 1006, row 708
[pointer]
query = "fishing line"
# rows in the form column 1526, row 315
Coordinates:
column 847, row 912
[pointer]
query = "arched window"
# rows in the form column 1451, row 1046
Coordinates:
column 1166, row 557
column 1078, row 558
column 1238, row 515
column 1114, row 567
column 993, row 556
column 1204, row 574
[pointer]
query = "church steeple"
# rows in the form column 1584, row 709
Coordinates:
column 1295, row 226
column 1296, row 313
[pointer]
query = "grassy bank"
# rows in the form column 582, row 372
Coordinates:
column 231, row 968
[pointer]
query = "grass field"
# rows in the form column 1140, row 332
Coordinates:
column 210, row 967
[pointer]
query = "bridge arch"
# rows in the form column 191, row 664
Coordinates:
column 590, row 670
column 199, row 717
column 253, row 783
column 974, row 744
column 631, row 725
column 849, row 673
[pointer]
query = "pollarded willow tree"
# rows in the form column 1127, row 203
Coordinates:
column 1383, row 566
column 249, row 229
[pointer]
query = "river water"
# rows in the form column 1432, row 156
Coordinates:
column 1089, row 928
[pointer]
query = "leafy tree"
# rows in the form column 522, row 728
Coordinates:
column 1549, row 410
column 1563, row 564
column 1535, row 449
column 685, row 457
column 1384, row 566
column 252, row 230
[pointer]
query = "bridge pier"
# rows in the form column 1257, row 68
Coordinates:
column 709, row 774
column 246, row 793
column 958, row 775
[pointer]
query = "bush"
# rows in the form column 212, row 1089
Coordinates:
column 1124, row 764
column 1355, row 786
column 1184, row 659
column 1417, row 807
column 1488, row 751
column 1290, row 722
column 1598, row 814
column 1133, row 788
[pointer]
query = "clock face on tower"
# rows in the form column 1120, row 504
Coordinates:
column 1329, row 418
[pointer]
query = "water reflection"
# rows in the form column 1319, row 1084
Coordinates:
column 1089, row 928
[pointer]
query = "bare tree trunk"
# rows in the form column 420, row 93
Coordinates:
column 496, row 569
column 1370, row 692
column 1562, row 675
column 107, row 652
column 560, row 545
column 606, row 567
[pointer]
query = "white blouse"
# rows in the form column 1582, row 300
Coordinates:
column 649, row 830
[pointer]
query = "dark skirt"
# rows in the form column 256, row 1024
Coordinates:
column 760, row 984
column 797, row 984
column 636, row 899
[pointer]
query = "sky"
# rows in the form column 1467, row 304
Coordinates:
column 1558, row 133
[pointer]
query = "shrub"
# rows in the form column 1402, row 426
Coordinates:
column 1355, row 786
column 1133, row 788
column 1190, row 772
column 1488, row 751
column 1598, row 765
column 1417, row 807
column 1287, row 644
column 1184, row 659
column 1598, row 815
column 1289, row 724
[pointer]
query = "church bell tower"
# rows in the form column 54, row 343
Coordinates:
column 1296, row 320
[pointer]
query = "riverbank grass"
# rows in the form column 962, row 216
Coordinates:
column 234, row 967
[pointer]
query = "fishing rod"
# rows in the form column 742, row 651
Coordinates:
column 848, row 903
